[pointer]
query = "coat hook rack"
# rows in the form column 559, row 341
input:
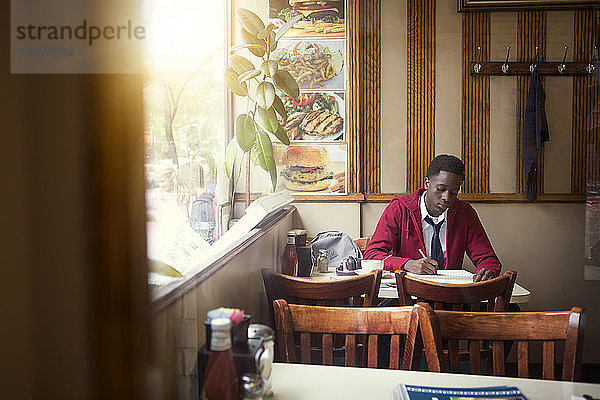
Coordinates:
column 533, row 65
column 506, row 65
column 546, row 68
column 591, row 67
column 477, row 66
column 562, row 67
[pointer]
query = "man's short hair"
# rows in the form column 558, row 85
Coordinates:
column 446, row 162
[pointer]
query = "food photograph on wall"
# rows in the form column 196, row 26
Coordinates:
column 311, row 169
column 323, row 18
column 315, row 64
column 315, row 116
column 313, row 51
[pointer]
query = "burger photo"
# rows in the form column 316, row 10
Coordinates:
column 312, row 11
column 307, row 168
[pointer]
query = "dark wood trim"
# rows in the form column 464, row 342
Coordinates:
column 514, row 5
column 420, row 141
column 353, row 91
column 475, row 104
column 310, row 198
column 585, row 124
column 531, row 33
column 364, row 95
column 118, row 292
column 522, row 68
column 348, row 198
column 492, row 198
column 167, row 294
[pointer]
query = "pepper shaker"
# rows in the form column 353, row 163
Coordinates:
column 323, row 261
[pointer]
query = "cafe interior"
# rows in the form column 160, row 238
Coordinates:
column 139, row 202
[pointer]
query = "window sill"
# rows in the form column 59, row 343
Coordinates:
column 312, row 198
column 164, row 295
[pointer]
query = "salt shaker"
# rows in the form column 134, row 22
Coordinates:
column 251, row 387
column 266, row 354
column 323, row 261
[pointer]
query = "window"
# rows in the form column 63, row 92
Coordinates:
column 185, row 125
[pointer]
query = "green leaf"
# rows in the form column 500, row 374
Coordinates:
column 231, row 79
column 265, row 32
column 245, row 132
column 282, row 136
column 240, row 64
column 286, row 27
column 161, row 268
column 249, row 75
column 272, row 42
column 250, row 21
column 230, row 155
column 267, row 119
column 286, row 82
column 245, row 46
column 257, row 45
column 280, row 108
column 262, row 154
column 269, row 68
column 265, row 94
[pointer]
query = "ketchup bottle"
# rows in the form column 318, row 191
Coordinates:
column 220, row 379
column 290, row 258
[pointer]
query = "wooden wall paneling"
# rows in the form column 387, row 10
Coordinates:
column 353, row 92
column 531, row 33
column 476, row 104
column 585, row 99
column 364, row 120
column 420, row 90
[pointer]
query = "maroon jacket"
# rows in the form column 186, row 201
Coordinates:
column 399, row 232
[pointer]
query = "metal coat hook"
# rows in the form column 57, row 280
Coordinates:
column 505, row 66
column 533, row 65
column 591, row 67
column 562, row 67
column 477, row 66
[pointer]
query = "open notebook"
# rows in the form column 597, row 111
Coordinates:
column 457, row 276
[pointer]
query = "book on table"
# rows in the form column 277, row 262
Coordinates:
column 451, row 276
column 410, row 392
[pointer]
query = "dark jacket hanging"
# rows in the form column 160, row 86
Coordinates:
column 535, row 132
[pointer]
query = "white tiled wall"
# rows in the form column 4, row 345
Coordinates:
column 179, row 329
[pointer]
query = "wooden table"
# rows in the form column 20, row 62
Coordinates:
column 316, row 382
column 388, row 290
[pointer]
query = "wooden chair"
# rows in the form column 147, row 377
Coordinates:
column 523, row 327
column 362, row 242
column 348, row 322
column 496, row 292
column 359, row 291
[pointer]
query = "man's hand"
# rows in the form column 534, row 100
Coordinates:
column 483, row 275
column 423, row 266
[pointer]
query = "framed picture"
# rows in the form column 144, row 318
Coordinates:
column 513, row 5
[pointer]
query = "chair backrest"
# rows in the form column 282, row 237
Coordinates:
column 495, row 291
column 359, row 291
column 298, row 324
column 362, row 242
column 523, row 327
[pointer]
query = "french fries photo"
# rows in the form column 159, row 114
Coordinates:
column 311, row 65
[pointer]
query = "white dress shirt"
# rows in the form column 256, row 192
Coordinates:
column 428, row 229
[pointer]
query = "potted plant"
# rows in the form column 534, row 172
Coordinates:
column 258, row 84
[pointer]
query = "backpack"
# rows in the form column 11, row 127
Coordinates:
column 339, row 246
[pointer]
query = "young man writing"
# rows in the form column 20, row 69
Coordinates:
column 431, row 229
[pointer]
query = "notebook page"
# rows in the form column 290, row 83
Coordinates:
column 456, row 276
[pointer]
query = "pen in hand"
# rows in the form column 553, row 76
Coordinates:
column 424, row 256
